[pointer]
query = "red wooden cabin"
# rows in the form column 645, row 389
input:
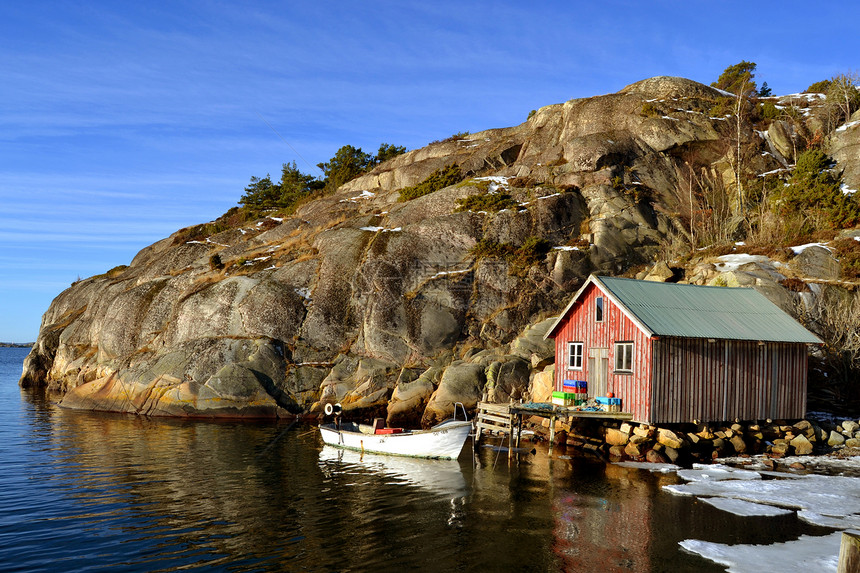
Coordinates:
column 678, row 353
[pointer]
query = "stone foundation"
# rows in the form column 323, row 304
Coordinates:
column 687, row 443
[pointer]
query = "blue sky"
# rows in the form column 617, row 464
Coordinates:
column 121, row 122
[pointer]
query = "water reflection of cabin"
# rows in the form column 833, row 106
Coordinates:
column 678, row 353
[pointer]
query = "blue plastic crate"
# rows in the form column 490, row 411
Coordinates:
column 574, row 385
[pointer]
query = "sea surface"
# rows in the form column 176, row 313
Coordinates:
column 83, row 491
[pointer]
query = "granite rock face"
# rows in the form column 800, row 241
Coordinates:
column 386, row 306
column 844, row 147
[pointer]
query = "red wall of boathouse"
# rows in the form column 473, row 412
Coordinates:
column 676, row 380
column 580, row 325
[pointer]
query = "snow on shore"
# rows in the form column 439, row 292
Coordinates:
column 734, row 261
column 800, row 248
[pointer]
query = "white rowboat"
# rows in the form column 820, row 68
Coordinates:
column 443, row 441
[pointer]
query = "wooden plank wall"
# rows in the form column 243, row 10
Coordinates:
column 686, row 379
column 580, row 325
column 723, row 380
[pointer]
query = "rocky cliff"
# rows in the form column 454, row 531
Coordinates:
column 405, row 307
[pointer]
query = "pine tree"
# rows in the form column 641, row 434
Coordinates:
column 348, row 163
column 738, row 79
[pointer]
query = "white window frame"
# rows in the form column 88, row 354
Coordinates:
column 599, row 309
column 574, row 359
column 624, row 357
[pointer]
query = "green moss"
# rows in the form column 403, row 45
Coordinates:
column 482, row 186
column 439, row 179
column 112, row 273
column 198, row 232
column 649, row 110
column 460, row 136
column 233, row 218
column 768, row 110
column 116, row 271
column 531, row 252
column 489, row 202
column 722, row 107
column 493, row 250
column 819, row 87
column 215, row 262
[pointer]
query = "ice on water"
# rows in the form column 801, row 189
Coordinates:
column 827, row 501
column 745, row 508
column 804, row 555
column 830, row 501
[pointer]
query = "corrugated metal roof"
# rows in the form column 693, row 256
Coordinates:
column 693, row 311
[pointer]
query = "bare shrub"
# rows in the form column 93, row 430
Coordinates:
column 704, row 208
column 834, row 316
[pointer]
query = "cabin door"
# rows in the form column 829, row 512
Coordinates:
column 598, row 372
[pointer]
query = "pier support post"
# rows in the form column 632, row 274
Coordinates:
column 849, row 553
column 511, row 416
column 519, row 428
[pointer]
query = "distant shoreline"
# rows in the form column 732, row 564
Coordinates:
column 16, row 344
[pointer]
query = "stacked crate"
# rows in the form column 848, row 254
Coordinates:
column 564, row 398
column 578, row 388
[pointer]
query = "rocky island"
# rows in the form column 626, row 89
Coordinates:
column 401, row 304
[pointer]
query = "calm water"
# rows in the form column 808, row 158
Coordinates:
column 97, row 492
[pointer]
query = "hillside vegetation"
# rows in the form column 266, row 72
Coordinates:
column 402, row 282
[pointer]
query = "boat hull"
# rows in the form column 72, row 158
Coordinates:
column 444, row 441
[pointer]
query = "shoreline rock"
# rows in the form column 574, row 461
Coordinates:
column 687, row 443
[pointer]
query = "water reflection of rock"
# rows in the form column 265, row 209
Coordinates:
column 199, row 491
column 239, row 495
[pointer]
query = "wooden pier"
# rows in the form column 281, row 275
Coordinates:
column 499, row 418
column 507, row 419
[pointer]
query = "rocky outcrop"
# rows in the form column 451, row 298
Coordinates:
column 386, row 306
column 844, row 147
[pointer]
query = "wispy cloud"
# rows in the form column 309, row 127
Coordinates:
column 121, row 122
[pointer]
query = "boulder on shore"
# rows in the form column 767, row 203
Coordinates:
column 461, row 382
